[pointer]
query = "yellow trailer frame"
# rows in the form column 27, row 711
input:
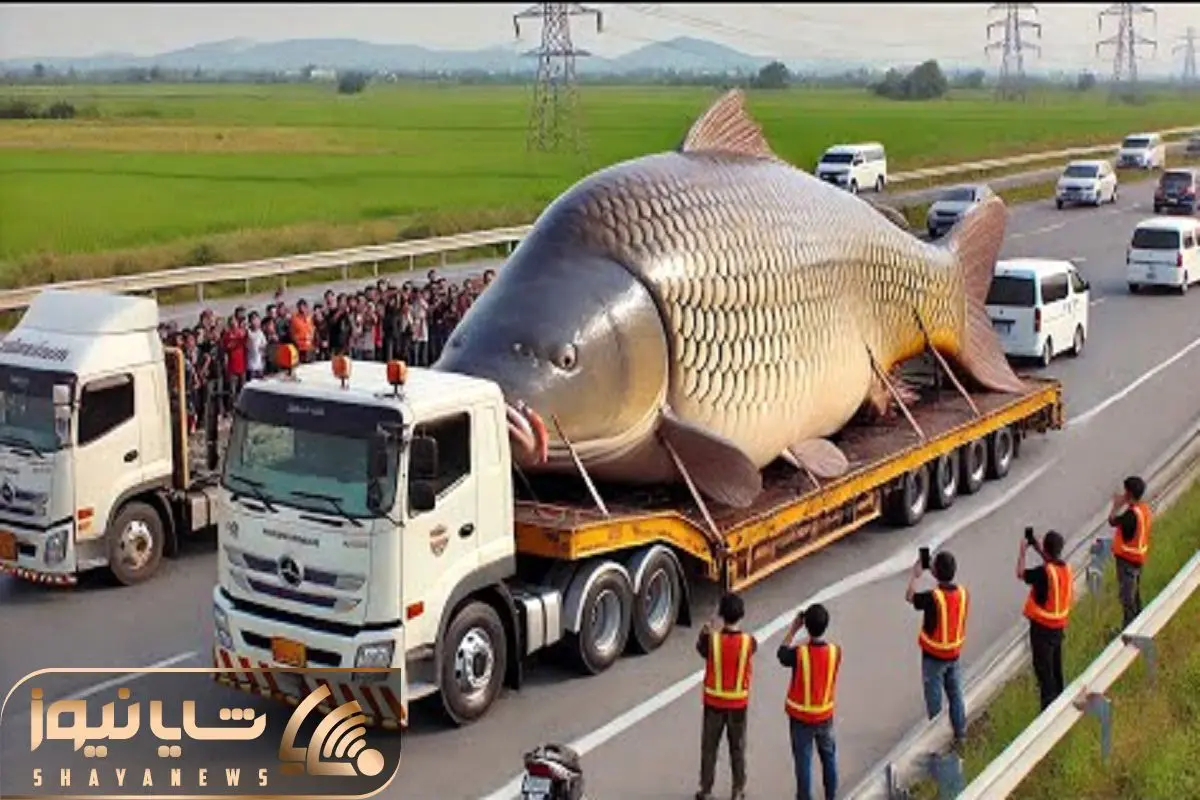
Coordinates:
column 788, row 524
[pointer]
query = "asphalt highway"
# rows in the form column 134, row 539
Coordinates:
column 1129, row 396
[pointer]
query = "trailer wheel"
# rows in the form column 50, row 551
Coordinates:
column 973, row 461
column 656, row 604
column 604, row 625
column 476, row 657
column 944, row 480
column 1000, row 453
column 908, row 501
column 135, row 543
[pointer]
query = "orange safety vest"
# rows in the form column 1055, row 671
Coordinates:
column 1060, row 589
column 1134, row 552
column 946, row 641
column 727, row 673
column 810, row 697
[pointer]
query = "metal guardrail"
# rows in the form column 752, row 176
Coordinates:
column 283, row 266
column 917, row 754
column 1085, row 695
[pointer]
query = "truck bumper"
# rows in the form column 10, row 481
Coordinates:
column 243, row 662
column 29, row 549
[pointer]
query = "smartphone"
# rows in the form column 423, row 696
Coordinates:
column 926, row 562
column 1029, row 537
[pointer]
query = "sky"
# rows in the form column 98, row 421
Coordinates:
column 903, row 33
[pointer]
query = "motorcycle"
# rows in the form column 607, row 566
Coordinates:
column 552, row 773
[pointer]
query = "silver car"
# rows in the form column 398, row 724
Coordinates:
column 950, row 206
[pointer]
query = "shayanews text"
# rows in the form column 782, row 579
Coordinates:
column 174, row 778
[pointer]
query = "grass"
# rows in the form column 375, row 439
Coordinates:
column 150, row 176
column 1156, row 729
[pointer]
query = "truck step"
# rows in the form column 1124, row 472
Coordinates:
column 419, row 689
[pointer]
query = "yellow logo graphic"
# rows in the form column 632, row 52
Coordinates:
column 340, row 735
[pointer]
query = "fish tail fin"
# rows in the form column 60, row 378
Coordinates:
column 975, row 243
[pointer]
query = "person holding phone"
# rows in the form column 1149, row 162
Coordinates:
column 815, row 665
column 1130, row 518
column 728, row 654
column 1048, row 607
column 943, row 631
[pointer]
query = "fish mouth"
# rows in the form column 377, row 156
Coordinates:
column 527, row 431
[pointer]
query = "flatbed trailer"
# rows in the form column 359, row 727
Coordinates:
column 895, row 474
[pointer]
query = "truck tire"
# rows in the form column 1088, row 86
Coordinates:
column 474, row 662
column 656, row 604
column 135, row 540
column 944, row 475
column 907, row 502
column 1000, row 453
column 972, row 463
column 604, row 624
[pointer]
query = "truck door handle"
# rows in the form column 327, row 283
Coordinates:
column 130, row 456
column 466, row 530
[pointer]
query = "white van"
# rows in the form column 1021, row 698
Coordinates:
column 1142, row 151
column 1039, row 308
column 1164, row 252
column 854, row 166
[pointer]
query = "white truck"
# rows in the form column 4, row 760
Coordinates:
column 94, row 449
column 370, row 518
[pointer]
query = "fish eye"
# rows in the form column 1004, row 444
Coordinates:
column 566, row 357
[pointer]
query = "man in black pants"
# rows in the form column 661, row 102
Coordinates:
column 1130, row 516
column 728, row 654
column 1051, row 590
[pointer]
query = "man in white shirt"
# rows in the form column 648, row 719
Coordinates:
column 418, row 318
column 256, row 349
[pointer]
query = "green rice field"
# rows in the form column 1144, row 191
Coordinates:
column 148, row 177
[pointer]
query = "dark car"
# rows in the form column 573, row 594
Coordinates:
column 1176, row 190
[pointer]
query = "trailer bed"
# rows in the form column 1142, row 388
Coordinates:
column 792, row 516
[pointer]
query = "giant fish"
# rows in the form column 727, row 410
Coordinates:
column 716, row 307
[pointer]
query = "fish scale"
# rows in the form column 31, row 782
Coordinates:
column 740, row 249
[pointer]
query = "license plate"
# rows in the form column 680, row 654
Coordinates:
column 534, row 787
column 8, row 547
column 285, row 651
column 1001, row 325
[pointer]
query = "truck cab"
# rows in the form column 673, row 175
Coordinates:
column 356, row 513
column 85, row 438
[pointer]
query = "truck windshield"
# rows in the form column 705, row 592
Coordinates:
column 1135, row 143
column 27, row 408
column 837, row 158
column 309, row 454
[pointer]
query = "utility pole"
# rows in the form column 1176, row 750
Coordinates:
column 1125, row 43
column 1188, row 46
column 554, row 116
column 1012, row 46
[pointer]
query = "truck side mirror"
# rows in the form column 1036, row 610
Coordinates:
column 377, row 456
column 421, row 497
column 423, row 458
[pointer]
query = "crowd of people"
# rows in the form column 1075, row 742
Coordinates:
column 377, row 323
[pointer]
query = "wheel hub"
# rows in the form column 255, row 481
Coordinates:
column 659, row 599
column 136, row 544
column 474, row 661
column 606, row 620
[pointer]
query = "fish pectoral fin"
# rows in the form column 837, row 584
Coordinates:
column 718, row 467
column 821, row 457
column 726, row 127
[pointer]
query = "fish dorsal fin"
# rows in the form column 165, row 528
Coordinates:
column 726, row 127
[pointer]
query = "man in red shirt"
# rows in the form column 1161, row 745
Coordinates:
column 233, row 342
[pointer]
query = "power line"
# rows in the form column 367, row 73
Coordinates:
column 554, row 116
column 1012, row 46
column 1188, row 46
column 1125, row 43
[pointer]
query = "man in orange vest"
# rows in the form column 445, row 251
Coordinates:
column 810, row 698
column 1048, row 607
column 1130, row 544
column 729, row 656
column 943, row 631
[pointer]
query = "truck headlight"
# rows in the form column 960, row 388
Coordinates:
column 221, row 626
column 375, row 655
column 56, row 548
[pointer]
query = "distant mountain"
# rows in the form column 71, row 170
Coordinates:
column 683, row 54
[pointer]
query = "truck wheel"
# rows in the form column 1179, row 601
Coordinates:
column 1000, row 453
column 1077, row 344
column 604, row 626
column 908, row 501
column 475, row 656
column 944, row 480
column 656, row 604
column 972, row 463
column 135, row 543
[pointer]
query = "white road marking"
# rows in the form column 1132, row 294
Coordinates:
column 890, row 567
column 1097, row 302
